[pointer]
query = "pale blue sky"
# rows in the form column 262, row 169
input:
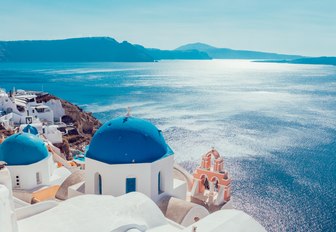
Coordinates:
column 306, row 27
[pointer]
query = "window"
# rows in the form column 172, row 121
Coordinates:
column 38, row 178
column 130, row 185
column 159, row 184
column 98, row 184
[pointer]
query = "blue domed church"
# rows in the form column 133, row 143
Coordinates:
column 129, row 154
column 29, row 162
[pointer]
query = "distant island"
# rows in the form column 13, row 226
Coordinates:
column 323, row 60
column 159, row 54
column 227, row 53
column 106, row 49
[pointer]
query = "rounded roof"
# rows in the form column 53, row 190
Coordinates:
column 23, row 149
column 30, row 129
column 128, row 140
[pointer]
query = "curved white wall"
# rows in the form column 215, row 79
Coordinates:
column 7, row 214
column 113, row 177
column 27, row 173
column 8, row 218
column 196, row 211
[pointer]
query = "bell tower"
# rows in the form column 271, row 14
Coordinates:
column 211, row 183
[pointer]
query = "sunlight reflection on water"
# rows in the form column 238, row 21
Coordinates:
column 274, row 123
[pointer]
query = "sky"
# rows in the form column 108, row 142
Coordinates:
column 304, row 27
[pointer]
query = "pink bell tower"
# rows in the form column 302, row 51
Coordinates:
column 211, row 183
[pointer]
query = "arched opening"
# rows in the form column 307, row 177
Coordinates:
column 215, row 182
column 130, row 185
column 205, row 182
column 159, row 183
column 98, row 184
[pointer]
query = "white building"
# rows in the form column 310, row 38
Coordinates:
column 128, row 180
column 50, row 132
column 131, row 212
column 29, row 162
column 56, row 107
column 23, row 108
column 129, row 154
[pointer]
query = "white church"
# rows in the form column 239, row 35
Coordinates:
column 128, row 185
column 128, row 154
column 30, row 163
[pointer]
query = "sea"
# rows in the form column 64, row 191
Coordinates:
column 275, row 124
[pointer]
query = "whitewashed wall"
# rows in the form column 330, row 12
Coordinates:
column 27, row 173
column 114, row 177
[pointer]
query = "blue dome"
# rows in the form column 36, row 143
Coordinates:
column 30, row 129
column 128, row 140
column 23, row 149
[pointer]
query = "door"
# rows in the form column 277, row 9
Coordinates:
column 130, row 185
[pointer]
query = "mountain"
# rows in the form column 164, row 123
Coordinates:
column 91, row 49
column 323, row 60
column 105, row 49
column 159, row 54
column 226, row 53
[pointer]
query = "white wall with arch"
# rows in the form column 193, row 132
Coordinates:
column 113, row 177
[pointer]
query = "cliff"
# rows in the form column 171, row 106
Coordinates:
column 81, row 125
column 95, row 49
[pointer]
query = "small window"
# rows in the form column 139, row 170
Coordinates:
column 98, row 184
column 17, row 181
column 38, row 178
column 159, row 184
column 130, row 185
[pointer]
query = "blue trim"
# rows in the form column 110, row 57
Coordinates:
column 100, row 190
column 159, row 183
column 130, row 185
column 30, row 129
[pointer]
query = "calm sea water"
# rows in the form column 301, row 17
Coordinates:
column 274, row 123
